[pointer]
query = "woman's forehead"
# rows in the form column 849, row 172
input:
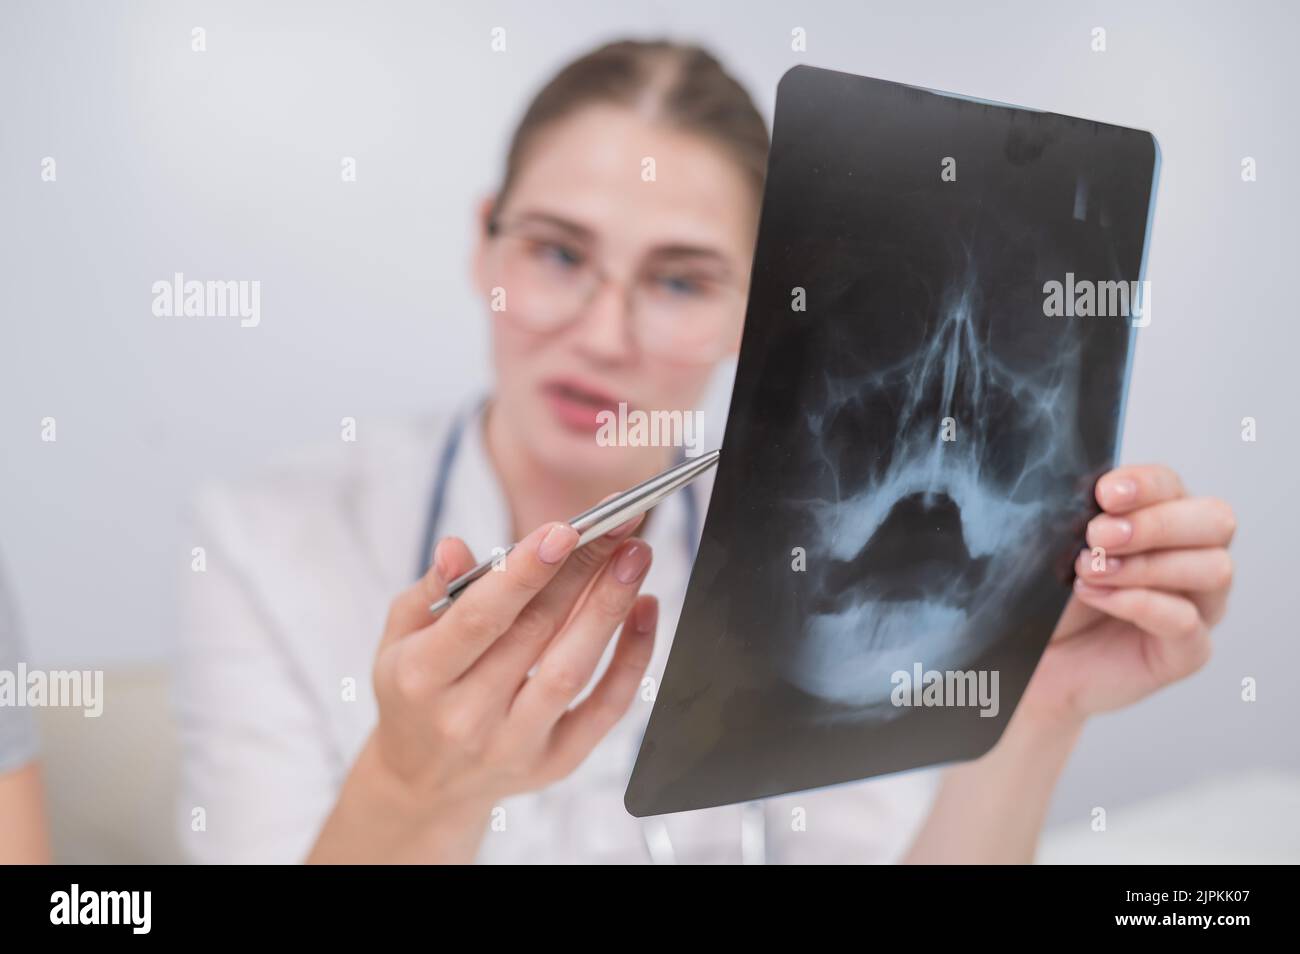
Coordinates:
column 636, row 184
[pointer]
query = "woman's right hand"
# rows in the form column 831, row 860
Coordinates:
column 477, row 704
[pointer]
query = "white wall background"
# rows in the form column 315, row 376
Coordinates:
column 225, row 164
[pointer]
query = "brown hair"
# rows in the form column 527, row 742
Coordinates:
column 680, row 84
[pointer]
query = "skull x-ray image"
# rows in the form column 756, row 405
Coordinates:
column 942, row 313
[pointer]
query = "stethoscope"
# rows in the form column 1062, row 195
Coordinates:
column 753, row 827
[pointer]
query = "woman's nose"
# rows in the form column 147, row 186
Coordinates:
column 605, row 327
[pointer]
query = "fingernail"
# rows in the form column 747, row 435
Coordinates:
column 625, row 528
column 646, row 611
column 1121, row 489
column 439, row 564
column 1088, row 562
column 557, row 543
column 631, row 563
column 1087, row 589
column 1109, row 531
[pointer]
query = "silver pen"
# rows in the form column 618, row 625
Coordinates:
column 603, row 517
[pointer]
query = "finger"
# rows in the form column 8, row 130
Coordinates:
column 489, row 605
column 1196, row 522
column 579, row 729
column 1162, row 614
column 410, row 610
column 1213, row 606
column 1127, row 488
column 1177, row 641
column 568, row 663
column 503, row 668
column 1204, row 574
column 1201, row 570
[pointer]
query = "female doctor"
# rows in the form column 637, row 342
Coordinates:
column 326, row 717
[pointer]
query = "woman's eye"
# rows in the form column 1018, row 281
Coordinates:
column 555, row 254
column 683, row 285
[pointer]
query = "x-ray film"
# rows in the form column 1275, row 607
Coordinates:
column 940, row 325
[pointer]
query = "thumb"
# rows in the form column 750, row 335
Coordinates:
column 409, row 612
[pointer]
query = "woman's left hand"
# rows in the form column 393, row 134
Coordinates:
column 1150, row 586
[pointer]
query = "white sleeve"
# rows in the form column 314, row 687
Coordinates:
column 871, row 822
column 257, row 774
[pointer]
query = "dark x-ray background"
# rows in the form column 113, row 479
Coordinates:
column 924, row 301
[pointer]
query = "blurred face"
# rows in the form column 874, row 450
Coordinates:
column 607, row 286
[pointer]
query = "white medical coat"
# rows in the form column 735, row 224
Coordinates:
column 274, row 697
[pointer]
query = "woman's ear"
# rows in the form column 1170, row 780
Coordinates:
column 482, row 218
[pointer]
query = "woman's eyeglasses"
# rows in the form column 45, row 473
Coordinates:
column 682, row 306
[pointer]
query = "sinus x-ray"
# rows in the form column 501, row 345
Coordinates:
column 944, row 299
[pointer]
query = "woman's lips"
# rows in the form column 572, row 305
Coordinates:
column 577, row 406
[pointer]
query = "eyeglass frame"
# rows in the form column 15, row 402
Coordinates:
column 497, row 229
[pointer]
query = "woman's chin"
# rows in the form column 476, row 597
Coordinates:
column 572, row 450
